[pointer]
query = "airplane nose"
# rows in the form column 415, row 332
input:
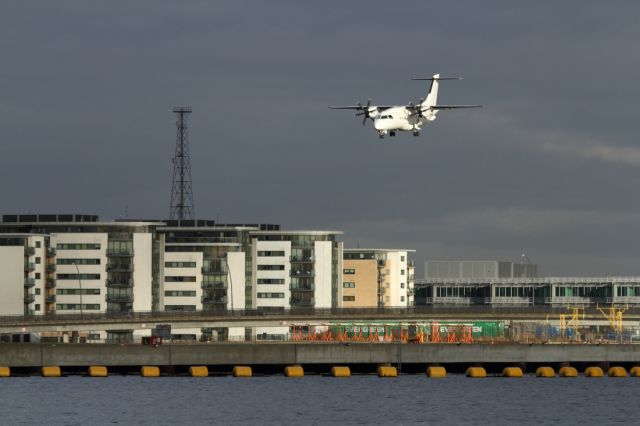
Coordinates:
column 377, row 124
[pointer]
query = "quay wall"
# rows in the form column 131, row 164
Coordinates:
column 82, row 355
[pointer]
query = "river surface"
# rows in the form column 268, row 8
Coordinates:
column 365, row 399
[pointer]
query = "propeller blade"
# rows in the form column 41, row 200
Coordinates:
column 364, row 120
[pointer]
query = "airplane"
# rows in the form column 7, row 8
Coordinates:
column 389, row 119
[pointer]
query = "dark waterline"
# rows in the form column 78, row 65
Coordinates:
column 413, row 399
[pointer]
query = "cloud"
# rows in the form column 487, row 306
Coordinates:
column 587, row 149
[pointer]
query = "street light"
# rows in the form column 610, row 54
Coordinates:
column 79, row 284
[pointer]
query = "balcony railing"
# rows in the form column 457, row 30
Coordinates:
column 301, row 273
column 29, row 282
column 220, row 286
column 51, row 283
column 508, row 300
column 302, row 259
column 120, row 268
column 51, row 251
column 119, row 283
column 51, row 267
column 302, row 302
column 30, row 298
column 214, row 271
column 29, row 266
column 119, row 298
column 214, row 300
column 307, row 287
column 51, row 298
column 31, row 251
column 121, row 253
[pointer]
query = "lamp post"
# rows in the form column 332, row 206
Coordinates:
column 79, row 284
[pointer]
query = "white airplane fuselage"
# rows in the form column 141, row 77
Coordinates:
column 401, row 119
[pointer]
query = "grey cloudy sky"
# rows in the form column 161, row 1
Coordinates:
column 550, row 166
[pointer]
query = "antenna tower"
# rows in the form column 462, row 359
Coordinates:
column 181, row 190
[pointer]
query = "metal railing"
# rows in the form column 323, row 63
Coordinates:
column 308, row 287
column 29, row 282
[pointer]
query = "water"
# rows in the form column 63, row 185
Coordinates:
column 405, row 400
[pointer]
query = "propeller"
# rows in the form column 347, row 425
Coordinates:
column 365, row 111
column 417, row 110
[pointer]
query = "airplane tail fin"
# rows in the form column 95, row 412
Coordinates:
column 432, row 96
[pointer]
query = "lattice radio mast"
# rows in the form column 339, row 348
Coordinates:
column 181, row 190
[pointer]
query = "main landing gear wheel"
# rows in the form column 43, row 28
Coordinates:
column 392, row 133
column 416, row 133
column 381, row 136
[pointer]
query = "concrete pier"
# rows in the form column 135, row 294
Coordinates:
column 212, row 354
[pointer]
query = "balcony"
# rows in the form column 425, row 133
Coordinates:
column 51, row 283
column 207, row 300
column 51, row 251
column 215, row 286
column 308, row 287
column 294, row 301
column 120, row 268
column 120, row 283
column 51, row 298
column 302, row 273
column 214, row 271
column 302, row 259
column 29, row 298
column 51, row 268
column 119, row 253
column 30, row 251
column 119, row 298
column 29, row 282
column 29, row 266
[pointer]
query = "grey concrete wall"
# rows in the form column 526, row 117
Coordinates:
column 35, row 355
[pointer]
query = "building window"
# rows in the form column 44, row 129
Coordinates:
column 179, row 264
column 37, row 275
column 401, row 271
column 76, row 307
column 270, row 267
column 179, row 293
column 171, row 279
column 180, row 308
column 77, row 261
column 76, row 291
column 83, row 246
column 271, row 253
column 401, row 285
column 37, row 306
column 38, row 260
column 37, row 292
column 78, row 276
column 348, row 298
column 270, row 295
column 38, row 244
column 270, row 280
column 402, row 298
column 349, row 271
column 349, row 284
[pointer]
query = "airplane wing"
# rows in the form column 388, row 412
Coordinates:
column 453, row 106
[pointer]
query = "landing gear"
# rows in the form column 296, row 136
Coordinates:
column 381, row 135
column 416, row 133
column 392, row 133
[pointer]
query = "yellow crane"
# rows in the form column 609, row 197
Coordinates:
column 614, row 316
column 573, row 321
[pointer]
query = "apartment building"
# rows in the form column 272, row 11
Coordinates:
column 377, row 278
column 74, row 264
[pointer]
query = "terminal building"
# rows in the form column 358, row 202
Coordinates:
column 496, row 283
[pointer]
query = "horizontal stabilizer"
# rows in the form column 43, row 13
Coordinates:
column 454, row 106
column 437, row 78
